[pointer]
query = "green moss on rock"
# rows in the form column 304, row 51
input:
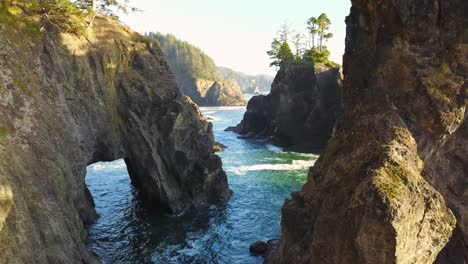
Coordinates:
column 391, row 179
column 3, row 131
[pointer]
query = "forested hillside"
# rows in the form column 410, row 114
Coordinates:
column 196, row 73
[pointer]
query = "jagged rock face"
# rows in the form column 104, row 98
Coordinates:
column 66, row 102
column 300, row 111
column 391, row 185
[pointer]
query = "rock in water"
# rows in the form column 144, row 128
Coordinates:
column 264, row 249
column 67, row 102
column 390, row 186
column 300, row 111
column 258, row 248
column 225, row 92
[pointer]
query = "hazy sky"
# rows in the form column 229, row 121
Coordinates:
column 237, row 33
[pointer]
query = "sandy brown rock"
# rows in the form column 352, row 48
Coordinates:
column 224, row 93
column 390, row 187
column 67, row 102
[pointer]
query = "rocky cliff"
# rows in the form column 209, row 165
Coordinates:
column 391, row 185
column 67, row 102
column 300, row 111
column 196, row 74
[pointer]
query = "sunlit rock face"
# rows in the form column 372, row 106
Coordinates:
column 391, row 185
column 67, row 102
column 300, row 111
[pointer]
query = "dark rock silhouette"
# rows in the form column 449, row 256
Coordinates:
column 300, row 111
column 390, row 186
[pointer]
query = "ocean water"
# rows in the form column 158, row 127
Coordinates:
column 261, row 176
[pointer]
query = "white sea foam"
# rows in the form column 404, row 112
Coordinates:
column 118, row 164
column 213, row 118
column 205, row 109
column 274, row 148
column 295, row 165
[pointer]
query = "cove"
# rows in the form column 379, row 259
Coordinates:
column 262, row 176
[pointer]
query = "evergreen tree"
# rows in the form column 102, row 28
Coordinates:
column 313, row 31
column 273, row 53
column 108, row 8
column 285, row 55
column 280, row 53
column 284, row 33
column 317, row 28
column 323, row 24
column 298, row 44
column 186, row 60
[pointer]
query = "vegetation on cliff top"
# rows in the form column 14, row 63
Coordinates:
column 61, row 15
column 184, row 59
column 305, row 52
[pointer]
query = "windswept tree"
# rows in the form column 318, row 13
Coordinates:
column 298, row 44
column 284, row 32
column 273, row 53
column 61, row 15
column 109, row 8
column 318, row 30
column 280, row 53
column 312, row 28
column 66, row 15
column 323, row 24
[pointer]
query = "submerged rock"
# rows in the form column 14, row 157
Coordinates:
column 67, row 102
column 258, row 248
column 264, row 249
column 390, row 186
column 300, row 111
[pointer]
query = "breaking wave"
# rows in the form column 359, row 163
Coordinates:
column 113, row 165
column 295, row 165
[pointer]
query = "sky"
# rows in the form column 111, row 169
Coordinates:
column 237, row 33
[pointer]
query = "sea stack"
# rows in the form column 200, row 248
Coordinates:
column 300, row 111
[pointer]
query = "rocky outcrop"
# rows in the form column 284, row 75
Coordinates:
column 391, row 185
column 300, row 111
column 197, row 75
column 67, row 102
column 214, row 92
column 249, row 84
column 226, row 92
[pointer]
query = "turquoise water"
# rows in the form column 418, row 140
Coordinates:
column 260, row 175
